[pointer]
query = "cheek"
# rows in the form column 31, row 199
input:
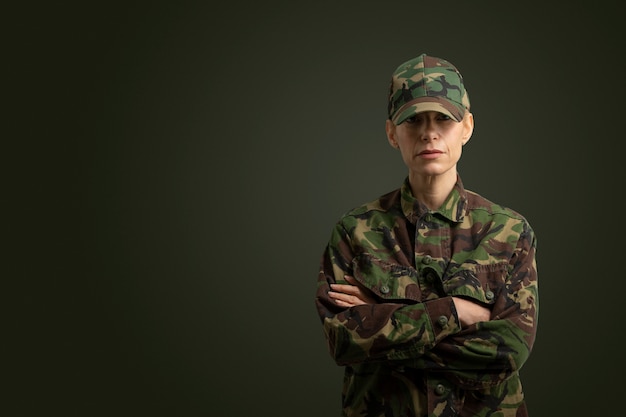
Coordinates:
column 456, row 151
column 406, row 153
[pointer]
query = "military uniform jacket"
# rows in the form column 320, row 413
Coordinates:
column 408, row 354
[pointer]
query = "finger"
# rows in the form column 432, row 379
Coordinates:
column 342, row 303
column 341, row 296
column 350, row 279
column 344, row 288
column 362, row 293
column 341, row 299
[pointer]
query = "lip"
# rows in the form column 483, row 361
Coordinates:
column 430, row 153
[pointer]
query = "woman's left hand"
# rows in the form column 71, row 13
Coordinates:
column 350, row 295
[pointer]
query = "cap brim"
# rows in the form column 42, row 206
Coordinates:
column 429, row 104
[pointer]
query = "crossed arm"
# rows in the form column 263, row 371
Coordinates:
column 350, row 295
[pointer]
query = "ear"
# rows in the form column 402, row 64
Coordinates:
column 468, row 127
column 390, row 129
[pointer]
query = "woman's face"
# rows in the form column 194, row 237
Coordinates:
column 430, row 142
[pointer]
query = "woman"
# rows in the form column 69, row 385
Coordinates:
column 428, row 294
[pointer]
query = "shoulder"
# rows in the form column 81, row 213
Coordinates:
column 385, row 210
column 476, row 201
column 484, row 210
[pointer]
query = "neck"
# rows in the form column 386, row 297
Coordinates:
column 432, row 190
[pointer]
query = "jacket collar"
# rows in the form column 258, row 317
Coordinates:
column 453, row 208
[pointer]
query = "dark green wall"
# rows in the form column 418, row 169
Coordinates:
column 176, row 171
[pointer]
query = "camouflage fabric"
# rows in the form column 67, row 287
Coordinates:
column 408, row 355
column 427, row 83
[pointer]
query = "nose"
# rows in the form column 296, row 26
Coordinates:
column 430, row 132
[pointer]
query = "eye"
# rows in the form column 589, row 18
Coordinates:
column 442, row 116
column 413, row 119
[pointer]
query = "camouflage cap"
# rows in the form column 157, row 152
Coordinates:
column 427, row 83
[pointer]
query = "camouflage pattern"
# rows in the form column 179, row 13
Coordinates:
column 427, row 83
column 408, row 355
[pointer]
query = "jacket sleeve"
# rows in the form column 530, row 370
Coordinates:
column 427, row 335
column 487, row 353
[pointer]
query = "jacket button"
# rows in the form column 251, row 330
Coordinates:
column 489, row 295
column 442, row 321
column 384, row 289
column 440, row 389
column 427, row 259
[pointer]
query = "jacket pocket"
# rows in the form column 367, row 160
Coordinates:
column 386, row 279
column 483, row 283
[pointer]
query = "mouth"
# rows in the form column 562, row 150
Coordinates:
column 429, row 154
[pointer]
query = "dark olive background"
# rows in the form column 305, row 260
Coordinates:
column 173, row 173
